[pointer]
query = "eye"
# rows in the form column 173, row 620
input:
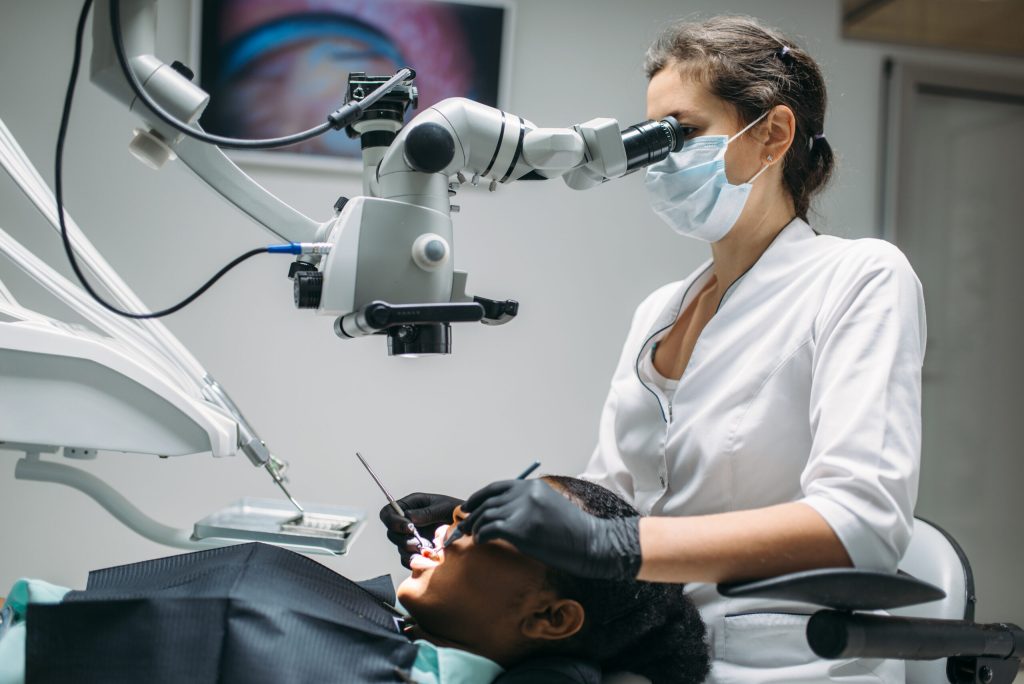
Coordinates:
column 688, row 131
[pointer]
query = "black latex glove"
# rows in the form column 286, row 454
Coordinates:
column 426, row 511
column 544, row 524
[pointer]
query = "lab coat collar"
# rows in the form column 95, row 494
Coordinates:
column 794, row 232
column 778, row 250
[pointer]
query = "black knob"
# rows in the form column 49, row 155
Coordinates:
column 297, row 266
column 429, row 148
column 183, row 70
column 308, row 287
column 340, row 204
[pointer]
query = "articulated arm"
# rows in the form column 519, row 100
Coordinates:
column 459, row 136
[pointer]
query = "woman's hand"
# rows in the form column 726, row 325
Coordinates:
column 426, row 511
column 544, row 524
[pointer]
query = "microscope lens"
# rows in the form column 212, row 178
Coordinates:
column 649, row 142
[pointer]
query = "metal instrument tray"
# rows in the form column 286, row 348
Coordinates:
column 323, row 528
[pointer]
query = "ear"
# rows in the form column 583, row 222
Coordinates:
column 776, row 132
column 557, row 619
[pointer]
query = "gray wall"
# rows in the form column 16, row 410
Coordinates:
column 578, row 262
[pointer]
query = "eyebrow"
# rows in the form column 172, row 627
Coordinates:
column 682, row 114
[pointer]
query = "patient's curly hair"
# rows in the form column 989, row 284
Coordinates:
column 649, row 628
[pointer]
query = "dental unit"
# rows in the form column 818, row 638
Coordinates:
column 380, row 265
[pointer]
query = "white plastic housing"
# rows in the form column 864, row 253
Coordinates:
column 372, row 256
column 67, row 387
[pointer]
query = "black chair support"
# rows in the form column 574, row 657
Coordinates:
column 976, row 653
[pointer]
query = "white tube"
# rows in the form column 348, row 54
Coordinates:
column 151, row 332
column 6, row 295
column 20, row 313
column 32, row 468
column 79, row 302
column 20, row 168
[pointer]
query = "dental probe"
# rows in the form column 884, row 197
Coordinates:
column 522, row 476
column 420, row 541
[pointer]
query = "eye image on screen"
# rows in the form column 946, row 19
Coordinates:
column 275, row 67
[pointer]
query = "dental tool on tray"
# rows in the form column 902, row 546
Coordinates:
column 522, row 476
column 420, row 541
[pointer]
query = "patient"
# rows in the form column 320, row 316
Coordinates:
column 495, row 602
column 478, row 613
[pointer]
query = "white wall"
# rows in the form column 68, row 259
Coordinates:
column 578, row 263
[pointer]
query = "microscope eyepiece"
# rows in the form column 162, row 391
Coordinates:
column 651, row 141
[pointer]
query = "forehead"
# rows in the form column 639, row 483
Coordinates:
column 675, row 91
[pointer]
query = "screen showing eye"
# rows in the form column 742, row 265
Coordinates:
column 274, row 67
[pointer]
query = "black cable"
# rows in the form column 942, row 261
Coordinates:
column 59, row 194
column 336, row 120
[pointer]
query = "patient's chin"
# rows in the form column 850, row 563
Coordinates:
column 416, row 585
column 409, row 589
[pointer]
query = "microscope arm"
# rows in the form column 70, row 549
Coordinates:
column 459, row 136
column 214, row 168
column 175, row 92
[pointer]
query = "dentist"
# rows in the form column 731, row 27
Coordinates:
column 765, row 413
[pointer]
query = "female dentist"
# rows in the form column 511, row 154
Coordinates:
column 765, row 412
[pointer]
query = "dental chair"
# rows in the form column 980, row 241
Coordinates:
column 931, row 614
column 930, row 625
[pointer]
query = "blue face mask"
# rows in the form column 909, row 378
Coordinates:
column 690, row 192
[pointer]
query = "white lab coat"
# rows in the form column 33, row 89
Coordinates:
column 804, row 386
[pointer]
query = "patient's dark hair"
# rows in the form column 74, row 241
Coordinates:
column 649, row 628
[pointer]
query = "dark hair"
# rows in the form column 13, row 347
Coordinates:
column 754, row 68
column 649, row 628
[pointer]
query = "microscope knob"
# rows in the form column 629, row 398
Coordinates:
column 297, row 266
column 429, row 148
column 308, row 288
column 183, row 69
column 431, row 252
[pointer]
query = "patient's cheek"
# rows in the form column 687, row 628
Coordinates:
column 408, row 590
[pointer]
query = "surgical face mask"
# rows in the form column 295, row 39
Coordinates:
column 690, row 192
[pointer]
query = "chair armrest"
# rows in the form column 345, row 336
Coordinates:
column 840, row 588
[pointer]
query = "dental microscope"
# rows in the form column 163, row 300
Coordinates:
column 381, row 264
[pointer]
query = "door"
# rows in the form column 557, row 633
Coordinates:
column 955, row 205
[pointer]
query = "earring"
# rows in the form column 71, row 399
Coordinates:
column 770, row 159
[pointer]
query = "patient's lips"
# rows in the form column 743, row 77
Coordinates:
column 430, row 558
column 422, row 562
